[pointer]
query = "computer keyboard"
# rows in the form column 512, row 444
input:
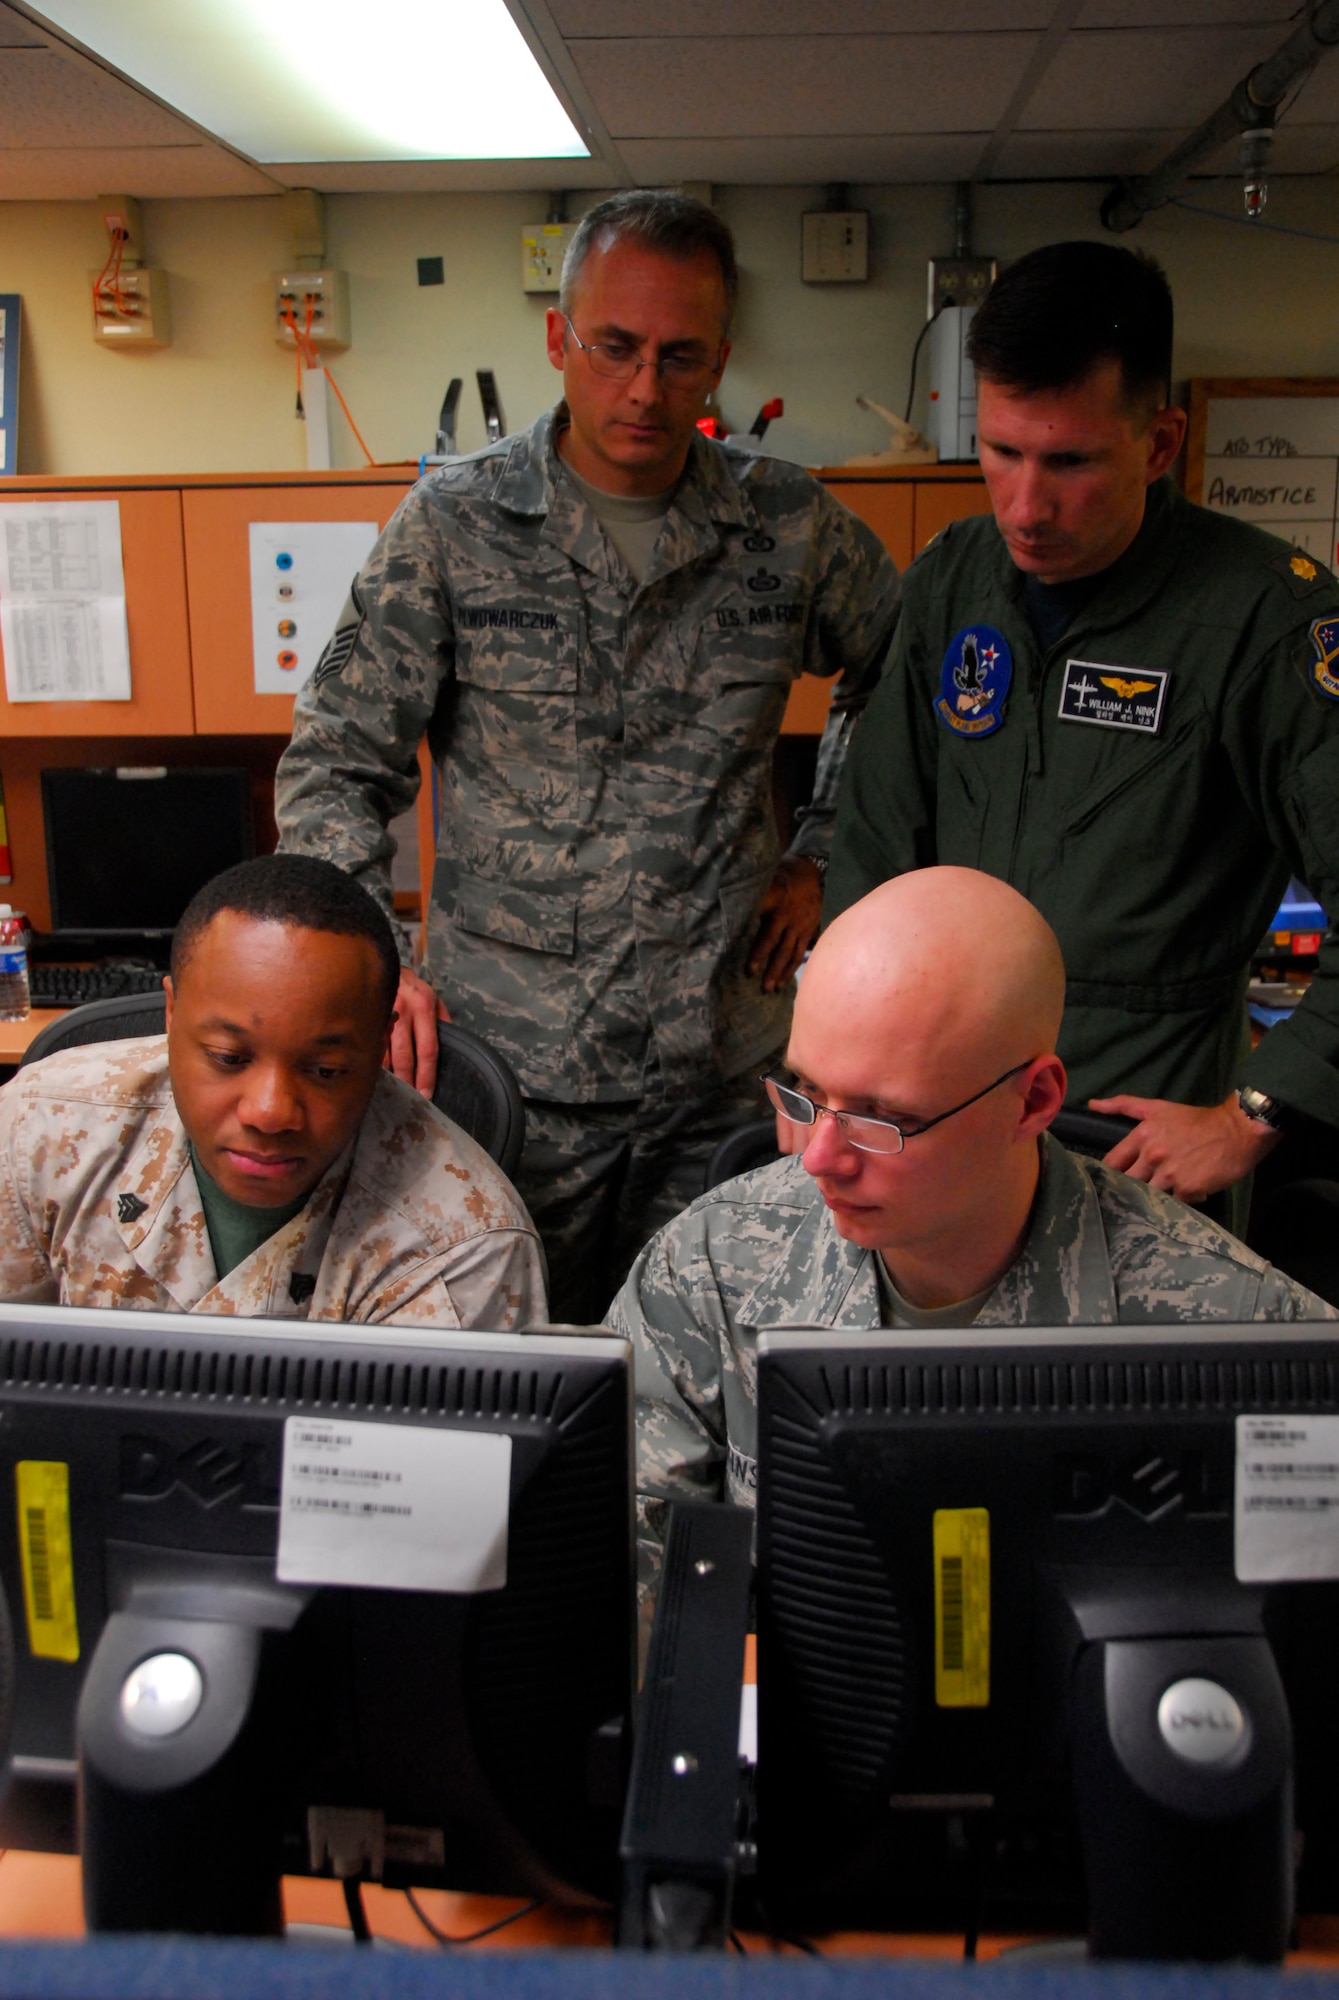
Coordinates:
column 72, row 985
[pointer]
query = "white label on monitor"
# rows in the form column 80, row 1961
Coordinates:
column 1287, row 1499
column 393, row 1506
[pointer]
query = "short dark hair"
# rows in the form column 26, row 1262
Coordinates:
column 1056, row 314
column 293, row 889
column 674, row 224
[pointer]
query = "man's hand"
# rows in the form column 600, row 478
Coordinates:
column 413, row 1050
column 1189, row 1150
column 790, row 912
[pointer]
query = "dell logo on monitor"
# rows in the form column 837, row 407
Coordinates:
column 1148, row 1484
column 209, row 1471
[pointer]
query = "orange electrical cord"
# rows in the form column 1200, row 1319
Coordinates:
column 309, row 358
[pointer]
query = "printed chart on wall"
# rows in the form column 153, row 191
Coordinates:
column 9, row 383
column 1270, row 458
column 300, row 577
column 63, row 601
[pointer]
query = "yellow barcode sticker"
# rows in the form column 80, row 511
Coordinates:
column 962, row 1607
column 48, row 1558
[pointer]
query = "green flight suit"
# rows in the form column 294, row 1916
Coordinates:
column 1156, row 839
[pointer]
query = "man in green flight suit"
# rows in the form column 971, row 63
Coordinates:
column 1127, row 707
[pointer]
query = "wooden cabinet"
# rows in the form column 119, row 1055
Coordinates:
column 217, row 522
column 906, row 509
column 154, row 562
column 940, row 501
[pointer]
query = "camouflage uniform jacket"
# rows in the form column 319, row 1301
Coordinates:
column 604, row 749
column 413, row 1225
column 762, row 1251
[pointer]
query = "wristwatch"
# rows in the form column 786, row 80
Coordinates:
column 1264, row 1109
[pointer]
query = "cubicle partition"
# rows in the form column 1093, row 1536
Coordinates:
column 185, row 545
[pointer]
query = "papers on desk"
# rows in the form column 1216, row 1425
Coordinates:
column 63, row 601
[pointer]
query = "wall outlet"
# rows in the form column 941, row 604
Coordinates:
column 327, row 295
column 133, row 311
column 543, row 247
column 835, row 246
column 959, row 281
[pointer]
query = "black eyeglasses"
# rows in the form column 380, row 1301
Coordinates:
column 869, row 1135
column 618, row 361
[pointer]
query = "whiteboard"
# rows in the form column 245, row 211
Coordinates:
column 1272, row 459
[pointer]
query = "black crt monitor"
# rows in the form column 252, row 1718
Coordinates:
column 311, row 1599
column 1048, row 1632
column 127, row 847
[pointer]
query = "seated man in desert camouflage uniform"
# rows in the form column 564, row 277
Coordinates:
column 922, row 1189
column 258, row 1160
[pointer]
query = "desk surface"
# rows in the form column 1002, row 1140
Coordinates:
column 16, row 1035
column 39, row 1897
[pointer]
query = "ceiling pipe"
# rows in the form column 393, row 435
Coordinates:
column 1251, row 108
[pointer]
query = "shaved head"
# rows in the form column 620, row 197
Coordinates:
column 939, row 985
column 945, row 961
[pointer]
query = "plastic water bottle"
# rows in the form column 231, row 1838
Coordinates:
column 14, row 1001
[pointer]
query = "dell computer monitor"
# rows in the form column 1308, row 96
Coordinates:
column 127, row 848
column 1048, row 1629
column 311, row 1599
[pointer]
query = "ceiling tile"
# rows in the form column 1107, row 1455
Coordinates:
column 1187, row 13
column 81, row 173
column 1128, row 79
column 16, row 33
column 803, row 162
column 601, row 19
column 814, row 85
column 1029, row 156
column 46, row 100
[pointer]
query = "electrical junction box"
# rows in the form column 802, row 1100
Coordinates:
column 951, row 423
column 959, row 281
column 130, row 310
column 835, row 246
column 318, row 301
column 543, row 247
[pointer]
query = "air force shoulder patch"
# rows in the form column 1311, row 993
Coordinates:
column 974, row 681
column 1324, row 637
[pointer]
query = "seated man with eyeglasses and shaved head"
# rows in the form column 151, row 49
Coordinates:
column 921, row 1188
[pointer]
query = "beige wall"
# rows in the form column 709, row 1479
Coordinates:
column 221, row 397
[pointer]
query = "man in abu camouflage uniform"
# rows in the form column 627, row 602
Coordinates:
column 598, row 623
column 258, row 1160
column 923, row 1190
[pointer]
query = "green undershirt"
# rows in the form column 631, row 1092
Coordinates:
column 896, row 1311
column 236, row 1230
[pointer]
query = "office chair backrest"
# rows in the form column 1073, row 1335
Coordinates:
column 752, row 1145
column 116, row 1020
column 475, row 1087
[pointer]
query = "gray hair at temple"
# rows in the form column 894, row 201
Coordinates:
column 674, row 225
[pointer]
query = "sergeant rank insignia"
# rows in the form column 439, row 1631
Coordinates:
column 974, row 681
column 1113, row 697
column 1325, row 667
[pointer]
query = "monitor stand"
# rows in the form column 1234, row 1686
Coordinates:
column 1183, row 1779
column 179, row 1806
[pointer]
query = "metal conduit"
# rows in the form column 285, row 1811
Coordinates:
column 1251, row 107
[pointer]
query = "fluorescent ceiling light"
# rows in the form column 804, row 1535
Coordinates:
column 337, row 79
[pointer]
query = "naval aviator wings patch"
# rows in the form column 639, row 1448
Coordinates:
column 1113, row 697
